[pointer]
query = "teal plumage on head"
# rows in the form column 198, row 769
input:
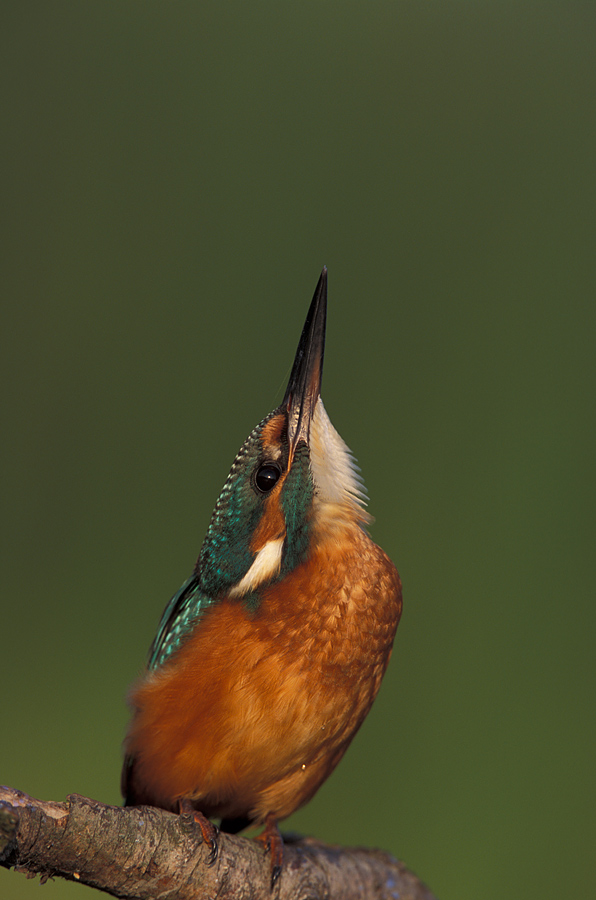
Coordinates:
column 226, row 556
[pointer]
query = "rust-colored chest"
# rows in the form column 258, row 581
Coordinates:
column 259, row 706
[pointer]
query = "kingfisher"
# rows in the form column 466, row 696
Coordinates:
column 269, row 657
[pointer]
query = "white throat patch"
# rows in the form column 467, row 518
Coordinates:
column 335, row 472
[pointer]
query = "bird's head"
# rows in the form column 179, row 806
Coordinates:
column 292, row 479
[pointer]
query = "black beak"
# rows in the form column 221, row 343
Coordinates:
column 304, row 386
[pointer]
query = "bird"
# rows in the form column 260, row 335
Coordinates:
column 269, row 657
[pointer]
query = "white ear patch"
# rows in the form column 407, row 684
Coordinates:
column 266, row 564
column 334, row 469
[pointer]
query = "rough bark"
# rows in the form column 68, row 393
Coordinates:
column 148, row 854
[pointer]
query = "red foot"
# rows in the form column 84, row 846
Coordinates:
column 208, row 830
column 274, row 845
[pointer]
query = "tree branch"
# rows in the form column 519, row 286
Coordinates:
column 148, row 854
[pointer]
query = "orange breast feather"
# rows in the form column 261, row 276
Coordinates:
column 258, row 707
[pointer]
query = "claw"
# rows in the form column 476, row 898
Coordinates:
column 208, row 830
column 275, row 873
column 274, row 845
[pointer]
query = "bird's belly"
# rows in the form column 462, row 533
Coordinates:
column 247, row 720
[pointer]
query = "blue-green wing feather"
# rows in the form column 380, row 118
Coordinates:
column 180, row 617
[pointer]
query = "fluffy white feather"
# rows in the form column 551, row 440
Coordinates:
column 335, row 472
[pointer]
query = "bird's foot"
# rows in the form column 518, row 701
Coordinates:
column 208, row 830
column 274, row 845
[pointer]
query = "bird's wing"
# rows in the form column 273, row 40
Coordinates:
column 179, row 618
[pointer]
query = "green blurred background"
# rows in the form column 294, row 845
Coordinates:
column 174, row 177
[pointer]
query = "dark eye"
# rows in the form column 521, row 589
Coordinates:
column 267, row 477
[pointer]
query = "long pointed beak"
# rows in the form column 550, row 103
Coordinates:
column 304, row 386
